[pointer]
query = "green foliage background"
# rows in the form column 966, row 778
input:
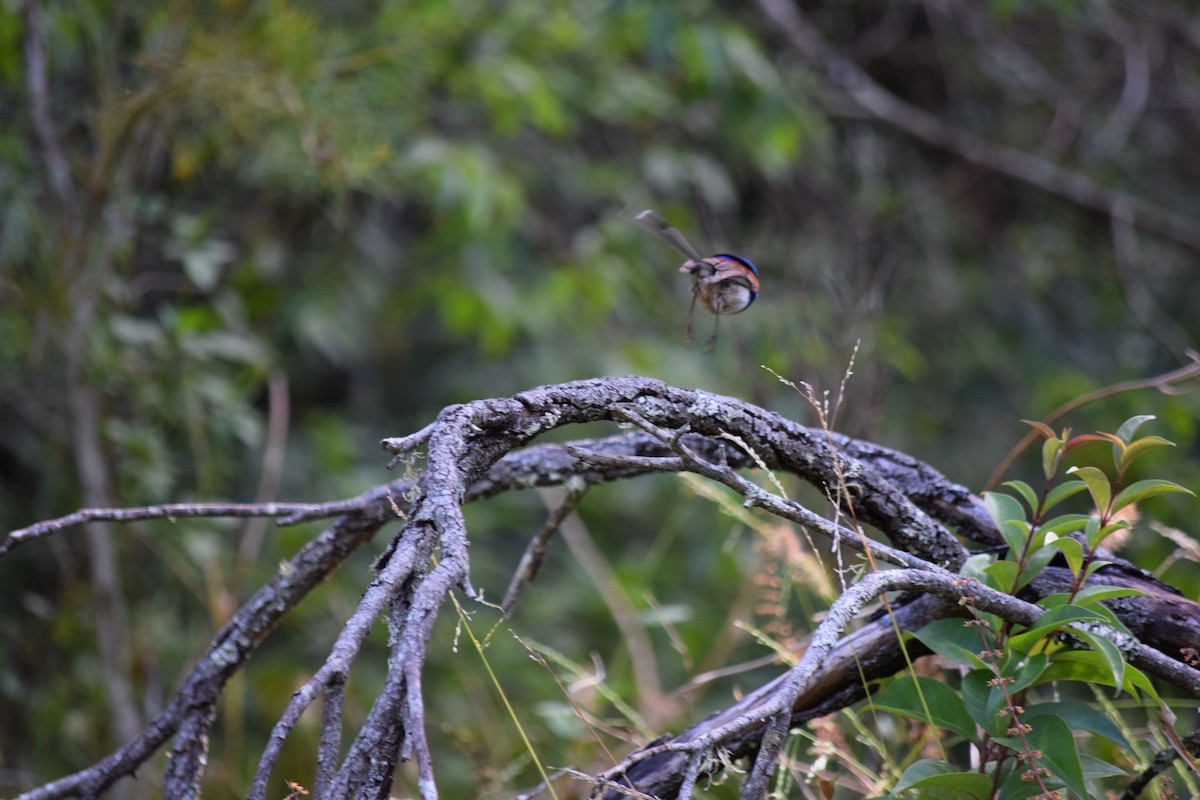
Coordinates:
column 393, row 206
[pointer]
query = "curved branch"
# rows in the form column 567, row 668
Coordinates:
column 475, row 451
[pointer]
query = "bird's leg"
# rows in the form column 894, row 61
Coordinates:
column 687, row 330
column 712, row 340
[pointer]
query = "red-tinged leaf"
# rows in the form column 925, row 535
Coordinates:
column 1141, row 490
column 1040, row 427
column 1080, row 440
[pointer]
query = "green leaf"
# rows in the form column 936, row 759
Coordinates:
column 1085, row 666
column 1098, row 594
column 1097, row 484
column 1137, row 448
column 1136, row 681
column 942, row 705
column 1009, row 517
column 1109, row 652
column 983, row 702
column 1090, row 594
column 1024, row 670
column 928, row 774
column 952, row 640
column 1036, row 562
column 1094, row 768
column 1072, row 550
column 1053, row 737
column 1130, row 427
column 1062, row 492
column 1013, row 788
column 1139, row 491
column 1090, row 666
column 1026, row 491
column 1058, row 754
column 1002, row 576
column 1096, row 537
column 1067, row 523
column 1050, row 452
column 1098, row 564
column 1109, row 618
column 1048, row 623
column 974, row 566
column 1079, row 716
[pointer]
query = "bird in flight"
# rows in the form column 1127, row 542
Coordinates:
column 722, row 283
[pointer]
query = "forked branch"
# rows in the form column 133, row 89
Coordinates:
column 481, row 449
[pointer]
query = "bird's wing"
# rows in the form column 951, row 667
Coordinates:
column 651, row 221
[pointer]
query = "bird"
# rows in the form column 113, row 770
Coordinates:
column 722, row 283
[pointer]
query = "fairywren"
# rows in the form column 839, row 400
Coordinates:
column 723, row 283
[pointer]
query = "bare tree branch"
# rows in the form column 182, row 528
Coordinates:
column 479, row 449
column 37, row 84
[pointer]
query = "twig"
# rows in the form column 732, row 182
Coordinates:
column 535, row 552
column 329, row 748
column 169, row 512
column 336, row 668
column 788, row 509
column 1167, row 383
column 401, row 445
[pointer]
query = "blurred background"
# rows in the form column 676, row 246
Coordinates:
column 241, row 242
